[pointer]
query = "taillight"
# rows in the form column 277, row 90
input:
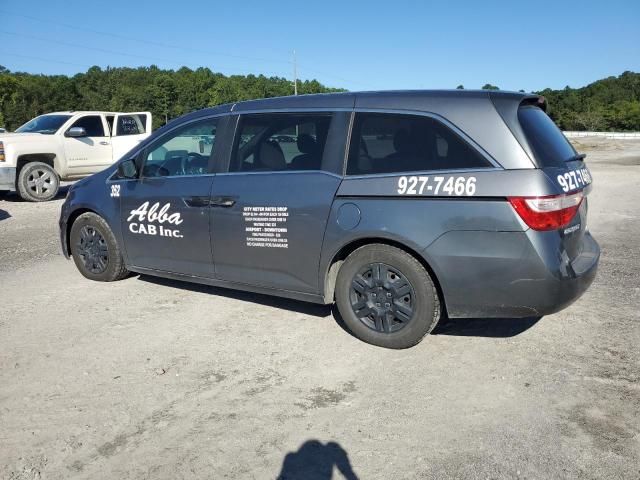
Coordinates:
column 547, row 213
column 1, row 152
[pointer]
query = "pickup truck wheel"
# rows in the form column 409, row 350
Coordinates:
column 386, row 297
column 95, row 250
column 38, row 182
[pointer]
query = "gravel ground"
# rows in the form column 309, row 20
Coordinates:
column 149, row 378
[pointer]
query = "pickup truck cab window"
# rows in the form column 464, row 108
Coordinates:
column 92, row 124
column 131, row 124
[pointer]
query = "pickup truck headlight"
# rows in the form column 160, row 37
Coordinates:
column 1, row 152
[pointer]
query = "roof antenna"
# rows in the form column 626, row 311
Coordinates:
column 295, row 74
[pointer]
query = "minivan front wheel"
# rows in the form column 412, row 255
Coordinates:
column 94, row 249
column 386, row 297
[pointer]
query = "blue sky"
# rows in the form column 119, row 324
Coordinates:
column 356, row 45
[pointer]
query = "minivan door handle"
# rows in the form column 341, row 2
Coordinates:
column 225, row 202
column 197, row 201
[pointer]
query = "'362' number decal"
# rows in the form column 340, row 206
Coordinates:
column 415, row 185
column 115, row 190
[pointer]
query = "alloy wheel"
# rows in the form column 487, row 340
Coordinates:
column 40, row 182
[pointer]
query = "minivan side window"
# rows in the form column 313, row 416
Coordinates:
column 92, row 124
column 393, row 143
column 185, row 151
column 279, row 142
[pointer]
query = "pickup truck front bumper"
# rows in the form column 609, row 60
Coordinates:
column 7, row 178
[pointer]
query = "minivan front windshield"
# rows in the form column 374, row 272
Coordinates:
column 45, row 124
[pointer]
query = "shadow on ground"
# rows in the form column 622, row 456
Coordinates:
column 14, row 197
column 4, row 215
column 306, row 308
column 316, row 461
column 485, row 327
column 462, row 327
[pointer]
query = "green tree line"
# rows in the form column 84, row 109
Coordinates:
column 611, row 104
column 165, row 93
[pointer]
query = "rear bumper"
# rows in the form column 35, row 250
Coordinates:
column 7, row 178
column 509, row 274
column 568, row 284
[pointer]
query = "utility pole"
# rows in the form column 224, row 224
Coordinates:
column 295, row 74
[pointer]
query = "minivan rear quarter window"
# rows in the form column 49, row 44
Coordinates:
column 549, row 145
column 393, row 143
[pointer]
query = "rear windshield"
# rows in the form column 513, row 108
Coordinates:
column 549, row 145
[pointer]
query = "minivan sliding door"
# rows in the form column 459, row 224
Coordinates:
column 270, row 210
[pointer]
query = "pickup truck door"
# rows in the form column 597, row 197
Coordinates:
column 91, row 153
column 129, row 129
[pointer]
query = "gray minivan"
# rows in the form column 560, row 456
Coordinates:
column 401, row 207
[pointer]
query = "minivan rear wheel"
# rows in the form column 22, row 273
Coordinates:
column 386, row 297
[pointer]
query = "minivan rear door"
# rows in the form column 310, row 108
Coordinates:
column 270, row 209
column 565, row 168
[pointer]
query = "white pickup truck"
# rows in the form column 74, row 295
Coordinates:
column 66, row 146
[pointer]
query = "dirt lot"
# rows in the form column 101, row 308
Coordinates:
column 156, row 379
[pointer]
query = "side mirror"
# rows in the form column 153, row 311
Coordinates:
column 76, row 132
column 127, row 169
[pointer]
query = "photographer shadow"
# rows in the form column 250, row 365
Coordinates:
column 316, row 461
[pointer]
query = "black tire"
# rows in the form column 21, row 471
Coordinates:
column 94, row 249
column 395, row 299
column 38, row 182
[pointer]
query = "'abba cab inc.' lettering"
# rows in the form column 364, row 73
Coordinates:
column 157, row 220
